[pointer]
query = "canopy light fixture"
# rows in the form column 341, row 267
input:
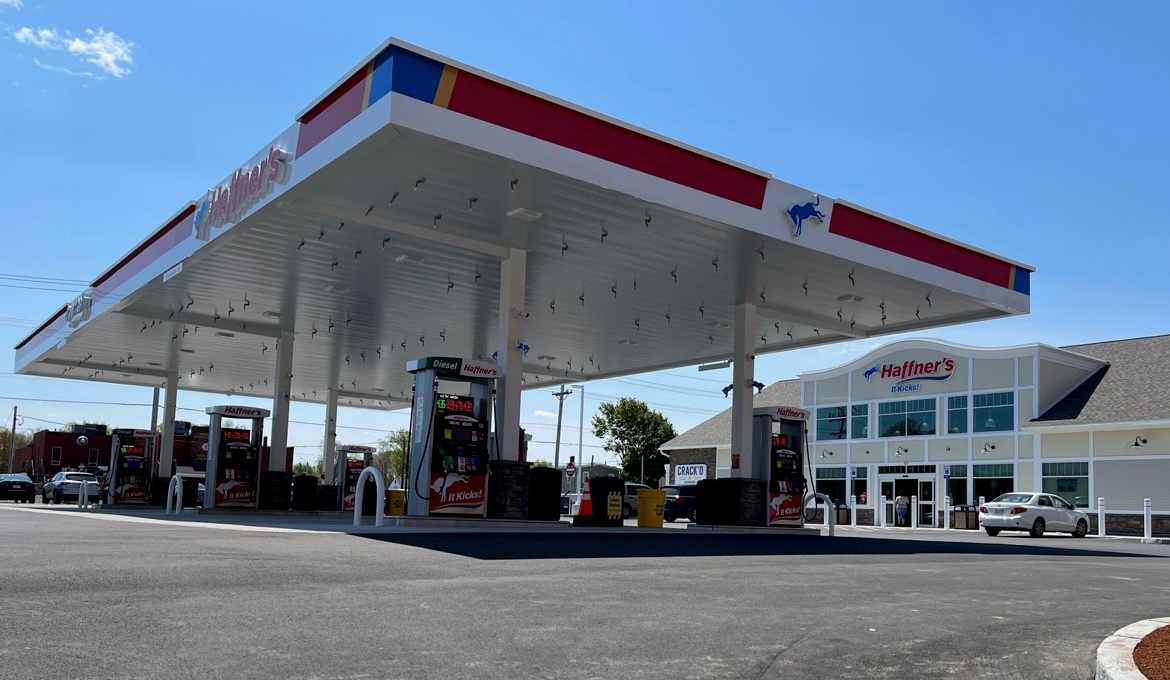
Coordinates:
column 628, row 342
column 524, row 214
column 153, row 363
column 224, row 334
column 715, row 365
column 545, row 357
column 271, row 314
column 1138, row 442
column 331, row 288
column 187, row 351
column 718, row 324
column 849, row 297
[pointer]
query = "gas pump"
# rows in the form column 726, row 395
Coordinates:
column 449, row 450
column 131, row 453
column 233, row 458
column 778, row 434
column 349, row 467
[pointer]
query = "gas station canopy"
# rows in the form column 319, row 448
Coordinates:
column 379, row 226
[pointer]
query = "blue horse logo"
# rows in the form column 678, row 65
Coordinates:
column 799, row 212
column 869, row 374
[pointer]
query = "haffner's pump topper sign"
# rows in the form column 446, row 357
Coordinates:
column 226, row 203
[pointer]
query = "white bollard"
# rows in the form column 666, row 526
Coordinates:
column 946, row 513
column 880, row 518
column 1148, row 512
column 914, row 512
column 830, row 512
column 1101, row 517
column 982, row 500
column 853, row 511
column 83, row 495
column 380, row 506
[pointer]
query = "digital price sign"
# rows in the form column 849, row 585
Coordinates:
column 131, row 450
column 449, row 403
column 234, row 435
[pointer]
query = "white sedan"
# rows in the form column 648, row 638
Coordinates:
column 1032, row 512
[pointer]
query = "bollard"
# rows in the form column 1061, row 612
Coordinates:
column 83, row 495
column 914, row 512
column 1101, row 517
column 946, row 513
column 880, row 517
column 1147, row 511
column 853, row 511
column 830, row 512
column 982, row 500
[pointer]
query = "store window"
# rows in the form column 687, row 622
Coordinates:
column 93, row 456
column 55, row 455
column 860, row 484
column 859, row 421
column 831, row 482
column 957, row 414
column 995, row 412
column 993, row 479
column 831, row 423
column 1070, row 481
column 957, row 484
column 906, row 418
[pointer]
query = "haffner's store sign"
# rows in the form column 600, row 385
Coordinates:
column 910, row 372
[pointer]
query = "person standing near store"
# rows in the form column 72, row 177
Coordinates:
column 902, row 510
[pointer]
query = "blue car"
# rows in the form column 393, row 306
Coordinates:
column 680, row 502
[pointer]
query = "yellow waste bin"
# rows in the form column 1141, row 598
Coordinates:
column 395, row 501
column 650, row 504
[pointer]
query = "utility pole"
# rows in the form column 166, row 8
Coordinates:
column 560, row 411
column 580, row 441
column 12, row 441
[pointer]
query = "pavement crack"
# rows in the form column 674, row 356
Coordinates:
column 775, row 657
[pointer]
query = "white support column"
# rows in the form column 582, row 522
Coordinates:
column 278, row 442
column 743, row 373
column 166, row 455
column 513, row 276
column 329, row 452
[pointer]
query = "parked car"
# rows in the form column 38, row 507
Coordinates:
column 17, row 487
column 630, row 500
column 1032, row 512
column 65, row 487
column 680, row 502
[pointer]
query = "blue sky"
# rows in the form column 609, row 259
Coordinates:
column 1034, row 130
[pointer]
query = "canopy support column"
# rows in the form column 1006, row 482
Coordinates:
column 166, row 455
column 329, row 451
column 513, row 276
column 278, row 442
column 743, row 374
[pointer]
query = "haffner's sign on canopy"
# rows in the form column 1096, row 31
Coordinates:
column 226, row 203
column 455, row 366
column 238, row 411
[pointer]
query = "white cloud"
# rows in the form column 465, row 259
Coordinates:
column 539, row 413
column 62, row 69
column 14, row 4
column 104, row 49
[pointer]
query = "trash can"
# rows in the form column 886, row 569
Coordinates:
column 327, row 497
column 605, row 495
column 544, row 494
column 650, row 505
column 191, row 492
column 842, row 515
column 966, row 517
column 305, row 493
column 275, row 490
column 395, row 502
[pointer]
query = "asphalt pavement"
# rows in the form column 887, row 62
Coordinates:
column 84, row 598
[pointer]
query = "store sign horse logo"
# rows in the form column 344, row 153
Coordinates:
column 799, row 212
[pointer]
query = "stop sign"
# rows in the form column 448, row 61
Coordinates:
column 571, row 469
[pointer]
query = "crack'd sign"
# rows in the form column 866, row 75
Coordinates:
column 226, row 203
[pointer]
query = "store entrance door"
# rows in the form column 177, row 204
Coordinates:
column 909, row 486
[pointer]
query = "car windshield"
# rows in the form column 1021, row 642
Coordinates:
column 15, row 478
column 1013, row 498
column 81, row 477
column 671, row 492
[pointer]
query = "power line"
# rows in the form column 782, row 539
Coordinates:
column 59, row 290
column 44, row 279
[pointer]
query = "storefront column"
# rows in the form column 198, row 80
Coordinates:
column 278, row 442
column 166, row 451
column 743, row 374
column 513, row 275
column 328, row 453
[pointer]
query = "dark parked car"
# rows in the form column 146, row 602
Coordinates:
column 65, row 487
column 680, row 502
column 17, row 487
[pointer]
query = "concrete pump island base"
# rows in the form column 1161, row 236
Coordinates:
column 421, row 209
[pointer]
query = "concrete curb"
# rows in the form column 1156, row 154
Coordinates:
column 1115, row 655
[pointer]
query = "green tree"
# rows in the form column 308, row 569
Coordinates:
column 391, row 457
column 23, row 439
column 302, row 467
column 541, row 464
column 634, row 432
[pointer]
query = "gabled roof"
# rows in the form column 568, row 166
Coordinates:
column 716, row 430
column 1134, row 386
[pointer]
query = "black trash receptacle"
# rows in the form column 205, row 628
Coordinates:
column 327, row 497
column 605, row 495
column 305, row 493
column 730, row 501
column 370, row 497
column 191, row 491
column 544, row 494
column 275, row 490
column 158, row 490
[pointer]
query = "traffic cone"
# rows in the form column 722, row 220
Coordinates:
column 586, row 507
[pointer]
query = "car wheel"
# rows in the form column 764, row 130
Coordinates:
column 991, row 532
column 1037, row 528
column 693, row 516
column 669, row 518
column 1082, row 529
column 626, row 512
column 44, row 499
column 56, row 498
